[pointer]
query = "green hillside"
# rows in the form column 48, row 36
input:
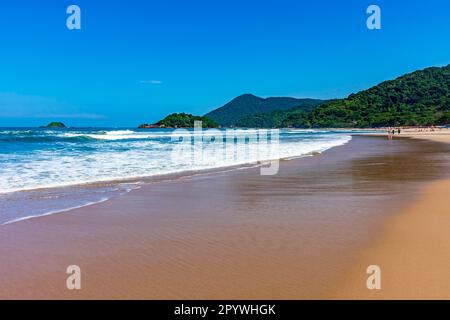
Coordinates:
column 418, row 98
column 296, row 117
column 248, row 104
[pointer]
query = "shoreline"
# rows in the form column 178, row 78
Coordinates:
column 160, row 175
column 413, row 247
column 108, row 188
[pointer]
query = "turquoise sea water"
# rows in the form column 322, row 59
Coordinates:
column 45, row 171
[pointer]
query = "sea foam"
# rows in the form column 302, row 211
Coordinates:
column 47, row 159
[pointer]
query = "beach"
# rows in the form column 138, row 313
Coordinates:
column 413, row 249
column 308, row 232
column 239, row 151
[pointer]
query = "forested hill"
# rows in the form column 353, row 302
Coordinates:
column 248, row 104
column 418, row 98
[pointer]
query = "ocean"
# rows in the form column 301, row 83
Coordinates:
column 47, row 171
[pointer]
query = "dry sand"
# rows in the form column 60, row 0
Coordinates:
column 437, row 134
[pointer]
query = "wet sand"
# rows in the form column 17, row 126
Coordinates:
column 234, row 235
column 413, row 248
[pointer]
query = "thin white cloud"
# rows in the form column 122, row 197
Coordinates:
column 151, row 82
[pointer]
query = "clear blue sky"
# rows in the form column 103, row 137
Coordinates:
column 136, row 61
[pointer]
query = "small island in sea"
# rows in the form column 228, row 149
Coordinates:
column 55, row 124
column 181, row 120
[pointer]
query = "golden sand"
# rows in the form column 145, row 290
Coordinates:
column 439, row 135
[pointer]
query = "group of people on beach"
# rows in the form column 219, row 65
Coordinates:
column 391, row 132
column 397, row 130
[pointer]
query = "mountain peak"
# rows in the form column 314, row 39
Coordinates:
column 247, row 95
column 249, row 104
column 246, row 98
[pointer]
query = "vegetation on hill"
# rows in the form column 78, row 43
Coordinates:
column 415, row 99
column 276, row 119
column 418, row 98
column 56, row 125
column 181, row 120
column 248, row 105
